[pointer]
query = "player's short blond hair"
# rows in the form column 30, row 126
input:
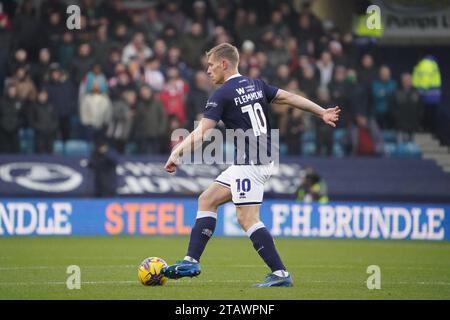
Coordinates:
column 225, row 51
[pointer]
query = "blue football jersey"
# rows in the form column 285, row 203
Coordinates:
column 244, row 103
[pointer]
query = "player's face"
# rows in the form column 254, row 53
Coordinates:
column 215, row 70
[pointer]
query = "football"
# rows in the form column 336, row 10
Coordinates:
column 149, row 272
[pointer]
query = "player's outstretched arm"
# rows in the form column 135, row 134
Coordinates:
column 192, row 141
column 329, row 116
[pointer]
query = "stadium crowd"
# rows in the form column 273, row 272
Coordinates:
column 136, row 75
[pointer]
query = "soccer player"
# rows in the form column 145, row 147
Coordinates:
column 241, row 103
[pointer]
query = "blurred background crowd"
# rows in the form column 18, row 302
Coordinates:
column 135, row 75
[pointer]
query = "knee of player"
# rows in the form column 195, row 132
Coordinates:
column 206, row 202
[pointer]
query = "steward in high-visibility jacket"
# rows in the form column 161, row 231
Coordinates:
column 426, row 78
column 312, row 188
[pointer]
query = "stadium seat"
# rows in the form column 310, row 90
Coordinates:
column 309, row 136
column 338, row 135
column 390, row 148
column 77, row 147
column 58, row 147
column 389, row 136
column 409, row 149
column 338, row 150
column 131, row 148
column 309, row 148
column 26, row 136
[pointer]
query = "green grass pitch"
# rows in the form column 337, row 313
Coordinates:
column 35, row 268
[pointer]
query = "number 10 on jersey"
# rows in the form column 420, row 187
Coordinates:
column 257, row 118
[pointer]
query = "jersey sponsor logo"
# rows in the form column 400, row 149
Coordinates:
column 240, row 90
column 211, row 104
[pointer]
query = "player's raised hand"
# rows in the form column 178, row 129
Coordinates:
column 331, row 116
column 171, row 164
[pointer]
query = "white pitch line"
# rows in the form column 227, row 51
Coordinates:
column 12, row 268
column 189, row 281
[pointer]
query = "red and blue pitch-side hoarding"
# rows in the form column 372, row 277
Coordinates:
column 122, row 216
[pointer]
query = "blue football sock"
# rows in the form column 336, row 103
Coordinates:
column 201, row 233
column 265, row 246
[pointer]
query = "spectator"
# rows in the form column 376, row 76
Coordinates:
column 324, row 134
column 278, row 25
column 153, row 75
column 267, row 71
column 103, row 161
column 381, row 92
column 121, row 122
column 82, row 63
column 193, row 45
column 197, row 97
column 406, row 109
column 173, row 15
column 278, row 54
column 170, row 35
column 43, row 118
column 367, row 72
column 52, row 30
column 95, row 112
column 26, row 28
column 307, row 34
column 26, row 90
column 121, row 82
column 152, row 24
column 136, row 48
column 150, row 122
column 62, row 95
column 250, row 30
column 338, row 88
column 120, row 37
column 364, row 137
column 308, row 82
column 357, row 99
column 173, row 95
column 200, row 15
column 109, row 65
column 160, row 49
column 325, row 67
column 102, row 46
column 283, row 76
column 11, row 120
column 173, row 59
column 19, row 60
column 40, row 69
column 427, row 79
column 294, row 131
column 95, row 75
column 312, row 188
column 66, row 50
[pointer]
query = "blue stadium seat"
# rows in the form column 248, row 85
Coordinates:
column 77, row 147
column 389, row 136
column 409, row 149
column 390, row 148
column 58, row 147
column 338, row 150
column 26, row 136
column 309, row 136
column 131, row 148
column 309, row 148
column 338, row 135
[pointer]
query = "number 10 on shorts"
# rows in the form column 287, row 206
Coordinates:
column 243, row 185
